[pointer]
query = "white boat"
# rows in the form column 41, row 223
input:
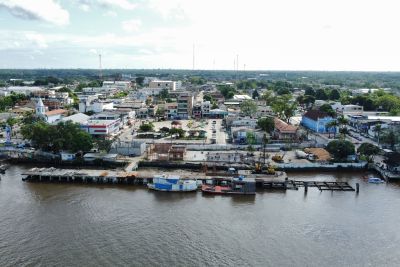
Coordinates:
column 375, row 180
column 172, row 184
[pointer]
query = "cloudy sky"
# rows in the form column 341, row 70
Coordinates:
column 266, row 34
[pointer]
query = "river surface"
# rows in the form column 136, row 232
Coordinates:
column 79, row 225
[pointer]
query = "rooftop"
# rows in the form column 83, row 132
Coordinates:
column 315, row 114
column 77, row 118
column 284, row 127
column 56, row 112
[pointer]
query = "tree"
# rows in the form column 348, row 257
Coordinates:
column 180, row 133
column 255, row 94
column 267, row 96
column 377, row 130
column 368, row 150
column 103, row 144
column 342, row 122
column 164, row 94
column 390, row 138
column 9, row 101
column 63, row 136
column 164, row 129
column 197, row 80
column 309, row 91
column 250, row 138
column 160, row 112
column 284, row 107
column 306, row 100
column 146, row 127
column 327, row 109
column 208, row 98
column 334, row 95
column 226, row 90
column 248, row 107
column 332, row 125
column 139, row 80
column 340, row 149
column 266, row 124
column 321, row 94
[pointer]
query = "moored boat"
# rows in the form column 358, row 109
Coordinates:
column 375, row 180
column 237, row 186
column 172, row 184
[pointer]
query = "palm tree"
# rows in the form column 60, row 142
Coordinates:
column 378, row 130
column 332, row 124
column 342, row 121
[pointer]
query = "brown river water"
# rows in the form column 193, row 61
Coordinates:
column 81, row 225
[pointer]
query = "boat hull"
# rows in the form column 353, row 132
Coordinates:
column 173, row 188
column 223, row 190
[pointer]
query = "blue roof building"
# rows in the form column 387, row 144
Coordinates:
column 316, row 121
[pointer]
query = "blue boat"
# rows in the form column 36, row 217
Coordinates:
column 375, row 180
column 172, row 184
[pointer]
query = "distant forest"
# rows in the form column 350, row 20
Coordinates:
column 327, row 78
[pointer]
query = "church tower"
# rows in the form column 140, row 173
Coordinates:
column 40, row 108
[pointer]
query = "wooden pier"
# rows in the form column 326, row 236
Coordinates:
column 322, row 186
column 280, row 182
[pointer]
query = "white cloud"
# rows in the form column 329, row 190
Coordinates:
column 84, row 7
column 110, row 13
column 37, row 39
column 285, row 34
column 125, row 4
column 132, row 25
column 46, row 10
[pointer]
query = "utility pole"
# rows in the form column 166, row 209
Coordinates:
column 193, row 56
column 100, row 68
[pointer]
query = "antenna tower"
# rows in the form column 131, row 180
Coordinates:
column 100, row 68
column 193, row 56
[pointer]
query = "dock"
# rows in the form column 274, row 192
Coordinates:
column 277, row 182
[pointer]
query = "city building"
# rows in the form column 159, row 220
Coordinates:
column 205, row 109
column 79, row 118
column 118, row 85
column 96, row 105
column 316, row 121
column 126, row 148
column 170, row 85
column 185, row 105
column 171, row 110
column 101, row 128
column 284, row 131
column 348, row 109
column 55, row 115
column 197, row 111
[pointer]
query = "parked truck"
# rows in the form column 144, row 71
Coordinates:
column 303, row 155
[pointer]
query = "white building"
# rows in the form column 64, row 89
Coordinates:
column 205, row 108
column 119, row 85
column 348, row 109
column 54, row 115
column 170, row 85
column 241, row 97
column 101, row 127
column 79, row 118
column 96, row 105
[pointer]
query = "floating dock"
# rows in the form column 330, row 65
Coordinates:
column 280, row 182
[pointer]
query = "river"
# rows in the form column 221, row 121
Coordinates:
column 79, row 225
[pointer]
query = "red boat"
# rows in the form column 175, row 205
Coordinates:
column 238, row 186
